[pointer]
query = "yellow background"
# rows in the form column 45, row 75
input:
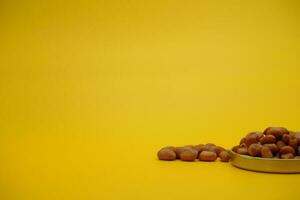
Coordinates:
column 90, row 90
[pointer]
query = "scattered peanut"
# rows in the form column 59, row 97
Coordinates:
column 179, row 150
column 208, row 152
column 166, row 154
column 219, row 150
column 189, row 155
column 199, row 147
column 224, row 156
column 207, row 156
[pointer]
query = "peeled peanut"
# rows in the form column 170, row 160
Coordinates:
column 242, row 150
column 251, row 139
column 189, row 155
column 266, row 152
column 276, row 131
column 293, row 142
column 224, row 156
column 274, row 148
column 280, row 144
column 207, row 156
column 268, row 139
column 287, row 149
column 166, row 154
column 255, row 149
column 287, row 156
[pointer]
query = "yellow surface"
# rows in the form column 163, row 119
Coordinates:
column 90, row 90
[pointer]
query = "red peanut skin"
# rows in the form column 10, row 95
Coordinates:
column 189, row 155
column 207, row 156
column 166, row 154
column 266, row 152
column 255, row 150
column 276, row 131
column 224, row 156
column 268, row 139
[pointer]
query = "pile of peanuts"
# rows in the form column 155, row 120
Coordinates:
column 277, row 142
column 208, row 152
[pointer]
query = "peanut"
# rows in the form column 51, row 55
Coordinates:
column 266, row 152
column 276, row 131
column 169, row 147
column 224, row 156
column 268, row 139
column 207, row 156
column 280, row 144
column 293, row 142
column 274, row 148
column 166, row 154
column 179, row 150
column 198, row 147
column 255, row 150
column 242, row 141
column 242, row 150
column 210, row 144
column 260, row 135
column 251, row 139
column 204, row 148
column 189, row 155
column 297, row 135
column 219, row 149
column 286, row 138
column 287, row 156
column 287, row 149
column 235, row 149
